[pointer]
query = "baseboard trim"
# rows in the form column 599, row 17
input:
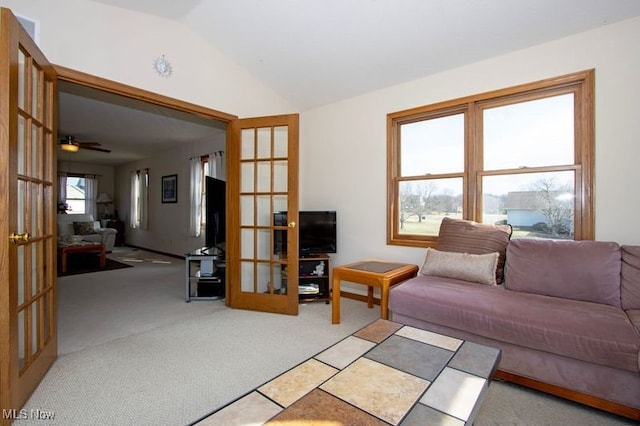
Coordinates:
column 175, row 256
column 571, row 395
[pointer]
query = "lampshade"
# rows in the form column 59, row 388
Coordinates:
column 103, row 198
column 68, row 146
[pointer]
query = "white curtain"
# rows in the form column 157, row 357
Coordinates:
column 62, row 191
column 90, row 196
column 217, row 165
column 140, row 199
column 195, row 201
column 133, row 212
column 62, row 187
column 143, row 185
column 212, row 168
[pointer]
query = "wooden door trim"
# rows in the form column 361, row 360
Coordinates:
column 88, row 80
column 15, row 385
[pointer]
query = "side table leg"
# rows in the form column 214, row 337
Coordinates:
column 384, row 300
column 335, row 299
column 63, row 261
column 369, row 297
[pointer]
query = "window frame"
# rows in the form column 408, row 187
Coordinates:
column 68, row 199
column 580, row 83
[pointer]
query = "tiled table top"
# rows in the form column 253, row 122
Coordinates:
column 386, row 373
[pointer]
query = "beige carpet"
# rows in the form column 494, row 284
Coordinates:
column 133, row 352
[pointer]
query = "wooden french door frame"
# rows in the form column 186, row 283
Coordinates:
column 28, row 332
column 260, row 150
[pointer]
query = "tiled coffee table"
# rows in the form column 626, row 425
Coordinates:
column 385, row 373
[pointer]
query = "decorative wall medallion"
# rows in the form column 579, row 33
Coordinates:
column 162, row 66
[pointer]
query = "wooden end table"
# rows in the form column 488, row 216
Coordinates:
column 64, row 249
column 372, row 273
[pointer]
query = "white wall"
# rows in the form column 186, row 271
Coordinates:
column 343, row 145
column 168, row 230
column 120, row 45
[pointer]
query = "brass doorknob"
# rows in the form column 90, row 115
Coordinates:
column 292, row 224
column 16, row 238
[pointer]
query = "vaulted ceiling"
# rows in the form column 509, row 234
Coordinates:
column 314, row 52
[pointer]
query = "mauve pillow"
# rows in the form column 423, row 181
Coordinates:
column 630, row 288
column 577, row 270
column 466, row 236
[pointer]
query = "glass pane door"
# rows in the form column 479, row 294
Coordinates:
column 267, row 214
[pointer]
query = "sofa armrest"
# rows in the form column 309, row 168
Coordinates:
column 107, row 231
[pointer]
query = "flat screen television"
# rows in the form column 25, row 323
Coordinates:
column 216, row 212
column 317, row 232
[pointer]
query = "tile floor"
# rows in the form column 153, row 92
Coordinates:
column 385, row 373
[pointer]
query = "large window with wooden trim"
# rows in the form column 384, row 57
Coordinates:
column 522, row 155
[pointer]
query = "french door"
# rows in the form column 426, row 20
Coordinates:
column 262, row 157
column 28, row 341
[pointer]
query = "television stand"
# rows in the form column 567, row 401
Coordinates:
column 313, row 279
column 205, row 274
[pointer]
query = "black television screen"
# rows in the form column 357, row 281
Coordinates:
column 216, row 211
column 317, row 232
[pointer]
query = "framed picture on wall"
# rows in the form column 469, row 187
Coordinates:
column 170, row 189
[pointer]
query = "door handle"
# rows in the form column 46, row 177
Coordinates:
column 16, row 238
column 291, row 224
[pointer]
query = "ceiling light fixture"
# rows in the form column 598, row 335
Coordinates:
column 69, row 147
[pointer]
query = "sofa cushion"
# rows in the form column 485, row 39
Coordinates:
column 578, row 270
column 65, row 222
column 465, row 236
column 65, row 228
column 94, row 238
column 479, row 268
column 84, row 228
column 630, row 277
column 588, row 331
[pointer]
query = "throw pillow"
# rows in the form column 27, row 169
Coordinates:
column 83, row 228
column 477, row 268
column 579, row 270
column 466, row 236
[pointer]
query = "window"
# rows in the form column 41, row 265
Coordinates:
column 522, row 155
column 75, row 194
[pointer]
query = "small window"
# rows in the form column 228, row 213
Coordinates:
column 76, row 195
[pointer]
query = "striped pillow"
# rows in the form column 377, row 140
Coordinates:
column 465, row 236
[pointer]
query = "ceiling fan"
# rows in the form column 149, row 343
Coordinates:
column 70, row 144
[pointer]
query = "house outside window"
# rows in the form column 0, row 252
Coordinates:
column 522, row 156
column 76, row 199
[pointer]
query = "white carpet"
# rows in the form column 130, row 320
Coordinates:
column 133, row 352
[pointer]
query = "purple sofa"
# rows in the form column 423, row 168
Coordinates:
column 567, row 318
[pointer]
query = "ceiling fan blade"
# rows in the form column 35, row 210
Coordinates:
column 86, row 144
column 92, row 148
